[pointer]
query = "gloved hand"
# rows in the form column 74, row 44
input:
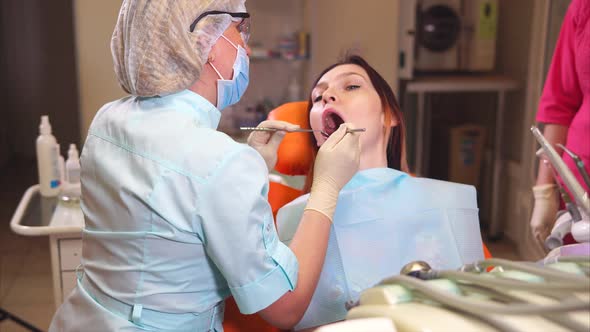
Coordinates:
column 336, row 163
column 267, row 142
column 544, row 211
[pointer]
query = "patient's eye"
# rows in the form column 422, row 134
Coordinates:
column 352, row 87
column 317, row 98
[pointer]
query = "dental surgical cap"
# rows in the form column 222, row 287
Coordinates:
column 153, row 50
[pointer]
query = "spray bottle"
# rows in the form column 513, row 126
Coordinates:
column 62, row 165
column 71, row 191
column 47, row 160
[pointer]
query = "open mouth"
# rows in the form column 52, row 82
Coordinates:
column 331, row 121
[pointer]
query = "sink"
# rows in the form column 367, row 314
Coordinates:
column 36, row 215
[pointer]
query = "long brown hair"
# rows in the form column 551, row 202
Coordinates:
column 396, row 140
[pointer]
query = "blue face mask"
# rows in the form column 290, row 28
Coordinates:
column 229, row 92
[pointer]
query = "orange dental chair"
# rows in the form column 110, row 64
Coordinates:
column 295, row 157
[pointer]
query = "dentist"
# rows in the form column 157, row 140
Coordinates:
column 176, row 213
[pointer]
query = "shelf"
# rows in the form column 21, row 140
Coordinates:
column 457, row 83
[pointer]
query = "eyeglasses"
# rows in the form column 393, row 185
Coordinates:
column 243, row 26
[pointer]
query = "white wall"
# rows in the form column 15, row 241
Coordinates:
column 368, row 27
column 513, row 47
column 94, row 22
column 547, row 16
column 526, row 28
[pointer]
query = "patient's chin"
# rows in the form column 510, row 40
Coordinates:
column 319, row 139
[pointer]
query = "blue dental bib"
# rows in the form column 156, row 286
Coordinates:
column 385, row 219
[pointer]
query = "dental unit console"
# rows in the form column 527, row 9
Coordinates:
column 511, row 296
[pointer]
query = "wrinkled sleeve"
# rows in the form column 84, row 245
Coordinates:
column 289, row 217
column 240, row 236
column 562, row 95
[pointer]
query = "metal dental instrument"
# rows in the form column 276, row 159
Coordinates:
column 301, row 130
column 580, row 196
column 579, row 164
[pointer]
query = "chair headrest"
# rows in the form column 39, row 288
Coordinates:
column 295, row 154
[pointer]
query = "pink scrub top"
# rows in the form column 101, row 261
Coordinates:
column 566, row 95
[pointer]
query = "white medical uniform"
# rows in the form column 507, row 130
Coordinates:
column 177, row 220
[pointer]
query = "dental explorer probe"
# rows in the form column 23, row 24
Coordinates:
column 301, row 130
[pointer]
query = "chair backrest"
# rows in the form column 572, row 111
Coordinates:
column 295, row 154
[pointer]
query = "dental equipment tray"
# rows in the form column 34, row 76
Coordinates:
column 490, row 295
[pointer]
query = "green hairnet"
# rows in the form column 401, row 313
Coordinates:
column 155, row 53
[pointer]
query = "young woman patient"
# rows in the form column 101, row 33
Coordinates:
column 384, row 217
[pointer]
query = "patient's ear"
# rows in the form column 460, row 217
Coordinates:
column 388, row 119
column 393, row 121
column 211, row 56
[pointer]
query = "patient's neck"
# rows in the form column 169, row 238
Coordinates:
column 373, row 156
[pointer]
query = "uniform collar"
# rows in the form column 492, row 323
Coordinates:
column 206, row 112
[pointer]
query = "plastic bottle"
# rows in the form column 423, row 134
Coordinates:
column 71, row 191
column 62, row 165
column 73, row 165
column 47, row 160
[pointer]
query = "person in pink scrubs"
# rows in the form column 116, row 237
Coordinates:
column 565, row 110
